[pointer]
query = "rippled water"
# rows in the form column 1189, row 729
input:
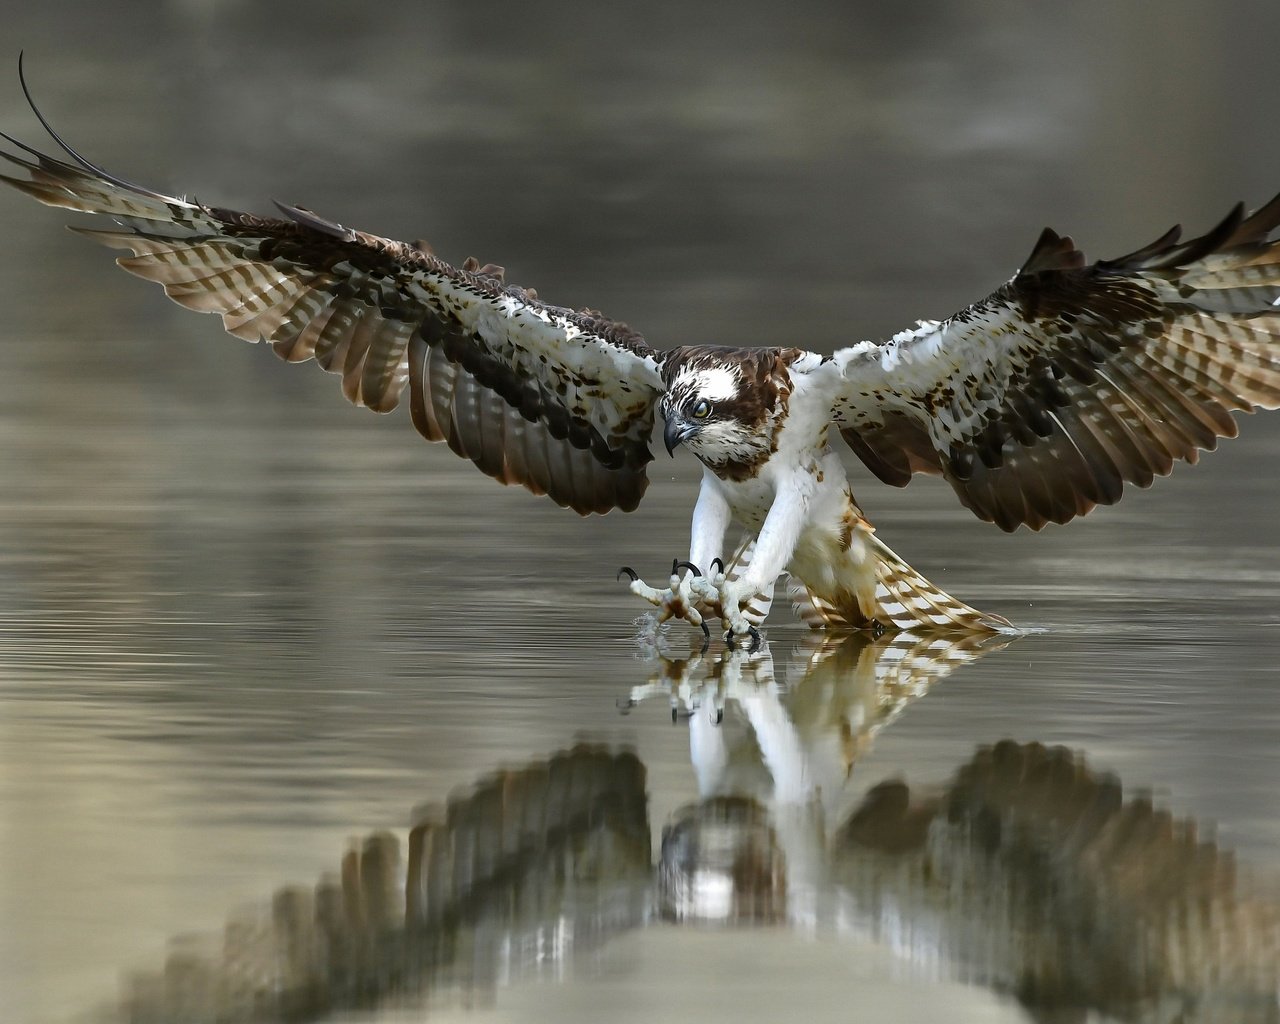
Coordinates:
column 244, row 627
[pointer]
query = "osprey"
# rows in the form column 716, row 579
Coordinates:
column 1036, row 404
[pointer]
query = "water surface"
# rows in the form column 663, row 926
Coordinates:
column 243, row 626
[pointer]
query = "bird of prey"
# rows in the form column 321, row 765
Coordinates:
column 1036, row 403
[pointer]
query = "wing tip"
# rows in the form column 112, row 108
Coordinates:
column 1053, row 251
column 80, row 162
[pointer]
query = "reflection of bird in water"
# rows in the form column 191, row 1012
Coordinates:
column 1031, row 873
column 530, row 867
column 804, row 735
column 782, row 778
column 1028, row 872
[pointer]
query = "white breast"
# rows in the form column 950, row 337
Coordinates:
column 802, row 449
column 749, row 500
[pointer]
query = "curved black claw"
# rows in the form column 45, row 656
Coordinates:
column 629, row 571
column 677, row 565
column 751, row 632
column 714, row 563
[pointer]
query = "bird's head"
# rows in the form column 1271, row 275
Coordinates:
column 719, row 405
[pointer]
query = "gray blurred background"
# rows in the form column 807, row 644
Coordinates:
column 240, row 620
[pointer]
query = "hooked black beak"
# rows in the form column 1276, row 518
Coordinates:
column 677, row 431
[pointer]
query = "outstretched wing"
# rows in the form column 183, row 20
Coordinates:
column 558, row 400
column 1041, row 401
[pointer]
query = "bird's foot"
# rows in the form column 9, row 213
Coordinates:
column 681, row 599
column 729, row 599
column 696, row 597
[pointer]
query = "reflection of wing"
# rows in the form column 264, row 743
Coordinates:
column 1044, row 399
column 1034, row 873
column 586, row 809
column 534, row 394
column 532, row 865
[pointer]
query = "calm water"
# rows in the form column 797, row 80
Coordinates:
column 244, row 628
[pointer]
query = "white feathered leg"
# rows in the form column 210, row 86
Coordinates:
column 688, row 597
column 774, row 547
column 710, row 521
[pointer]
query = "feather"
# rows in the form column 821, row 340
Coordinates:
column 584, row 387
column 1073, row 378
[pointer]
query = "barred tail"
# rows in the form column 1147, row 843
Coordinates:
column 903, row 600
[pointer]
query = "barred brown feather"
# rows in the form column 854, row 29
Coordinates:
column 904, row 600
column 1043, row 400
column 558, row 401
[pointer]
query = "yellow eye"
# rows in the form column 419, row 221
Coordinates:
column 702, row 410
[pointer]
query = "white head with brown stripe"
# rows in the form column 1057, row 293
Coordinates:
column 724, row 405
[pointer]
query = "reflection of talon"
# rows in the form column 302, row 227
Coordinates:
column 730, row 638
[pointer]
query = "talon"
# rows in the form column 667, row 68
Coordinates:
column 719, row 716
column 676, row 566
column 714, row 563
column 629, row 571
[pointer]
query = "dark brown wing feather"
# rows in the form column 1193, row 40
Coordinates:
column 557, row 400
column 1043, row 400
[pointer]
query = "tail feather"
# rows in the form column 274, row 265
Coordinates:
column 904, row 600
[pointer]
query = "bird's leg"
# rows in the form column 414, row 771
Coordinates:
column 706, row 542
column 774, row 546
column 710, row 522
column 688, row 596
